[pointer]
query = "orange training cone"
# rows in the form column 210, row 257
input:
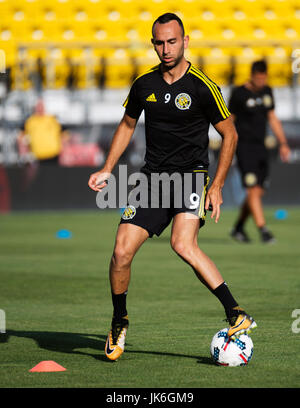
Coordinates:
column 47, row 367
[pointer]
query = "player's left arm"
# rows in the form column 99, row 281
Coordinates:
column 229, row 136
column 278, row 131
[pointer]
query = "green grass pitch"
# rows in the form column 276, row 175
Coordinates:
column 56, row 297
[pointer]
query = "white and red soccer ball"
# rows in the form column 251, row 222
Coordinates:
column 231, row 352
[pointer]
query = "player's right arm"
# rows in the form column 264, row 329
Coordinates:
column 277, row 129
column 233, row 117
column 120, row 141
column 235, row 103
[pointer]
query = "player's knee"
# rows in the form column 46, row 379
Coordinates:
column 183, row 249
column 255, row 190
column 122, row 256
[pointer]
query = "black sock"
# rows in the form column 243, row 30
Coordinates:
column 239, row 225
column 225, row 297
column 119, row 304
column 263, row 229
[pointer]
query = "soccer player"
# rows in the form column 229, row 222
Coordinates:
column 179, row 102
column 252, row 108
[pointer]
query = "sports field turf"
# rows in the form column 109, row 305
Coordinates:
column 56, row 296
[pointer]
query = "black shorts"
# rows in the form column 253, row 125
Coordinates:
column 163, row 199
column 253, row 164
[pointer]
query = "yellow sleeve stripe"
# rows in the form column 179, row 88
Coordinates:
column 214, row 90
column 144, row 73
column 126, row 101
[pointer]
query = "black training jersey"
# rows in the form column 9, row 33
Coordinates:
column 251, row 111
column 177, row 117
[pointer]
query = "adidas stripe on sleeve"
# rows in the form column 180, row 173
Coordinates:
column 215, row 107
column 132, row 104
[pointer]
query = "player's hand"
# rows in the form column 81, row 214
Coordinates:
column 214, row 201
column 98, row 180
column 284, row 152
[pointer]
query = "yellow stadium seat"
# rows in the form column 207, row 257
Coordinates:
column 143, row 12
column 34, row 31
column 135, row 10
column 47, row 11
column 8, row 48
column 279, row 8
column 200, row 30
column 289, row 29
column 246, row 9
column 145, row 60
column 119, row 69
column 18, row 30
column 5, row 11
column 279, row 66
column 110, row 31
column 85, row 68
column 21, row 11
column 194, row 55
column 64, row 31
column 104, row 10
column 243, row 59
column 217, row 66
column 157, row 7
column 81, row 30
column 6, row 34
column 90, row 10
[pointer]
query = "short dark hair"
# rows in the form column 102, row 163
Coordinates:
column 259, row 66
column 166, row 18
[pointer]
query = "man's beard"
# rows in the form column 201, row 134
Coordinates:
column 168, row 67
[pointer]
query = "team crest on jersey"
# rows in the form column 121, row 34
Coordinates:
column 129, row 212
column 267, row 101
column 183, row 101
column 250, row 179
column 250, row 103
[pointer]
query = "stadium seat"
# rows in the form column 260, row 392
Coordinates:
column 144, row 60
column 243, row 57
column 218, row 29
column 119, row 69
column 279, row 67
column 217, row 66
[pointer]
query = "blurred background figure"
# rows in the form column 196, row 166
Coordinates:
column 252, row 107
column 37, row 75
column 40, row 142
column 42, row 135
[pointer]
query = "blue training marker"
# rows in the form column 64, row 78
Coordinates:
column 281, row 214
column 64, row 234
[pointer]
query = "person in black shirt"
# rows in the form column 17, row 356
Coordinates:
column 176, row 122
column 252, row 107
column 179, row 102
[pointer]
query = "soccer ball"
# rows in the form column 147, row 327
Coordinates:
column 228, row 352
